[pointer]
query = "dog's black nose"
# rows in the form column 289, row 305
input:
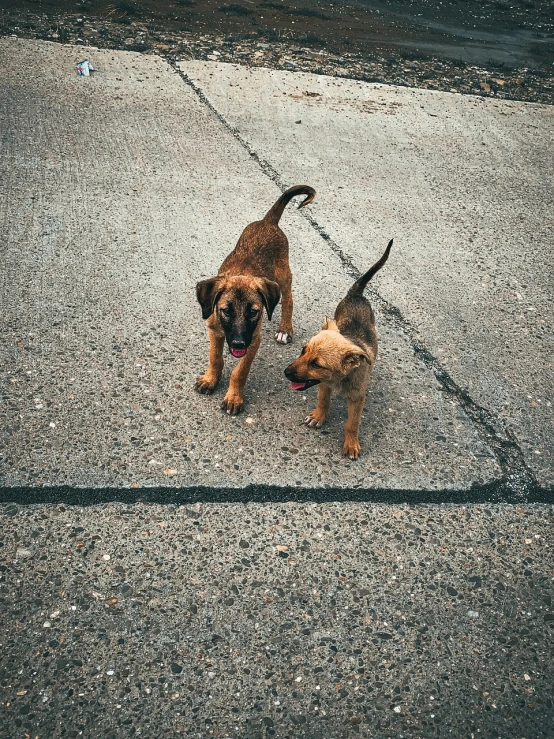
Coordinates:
column 238, row 345
column 288, row 374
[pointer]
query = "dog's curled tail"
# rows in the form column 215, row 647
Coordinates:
column 360, row 285
column 274, row 214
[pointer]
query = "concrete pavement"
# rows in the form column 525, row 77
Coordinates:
column 274, row 616
column 464, row 184
column 122, row 191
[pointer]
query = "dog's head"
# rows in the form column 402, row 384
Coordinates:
column 238, row 302
column 329, row 357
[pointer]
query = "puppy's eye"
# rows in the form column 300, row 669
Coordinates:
column 315, row 364
column 225, row 311
column 254, row 312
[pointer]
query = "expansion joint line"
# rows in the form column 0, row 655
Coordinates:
column 518, row 482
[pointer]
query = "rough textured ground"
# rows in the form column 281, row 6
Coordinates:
column 277, row 621
column 500, row 48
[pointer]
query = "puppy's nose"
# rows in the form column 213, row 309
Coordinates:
column 238, row 345
column 289, row 373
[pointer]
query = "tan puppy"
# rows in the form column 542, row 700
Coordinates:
column 340, row 359
column 252, row 277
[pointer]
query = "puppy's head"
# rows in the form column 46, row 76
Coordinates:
column 329, row 357
column 238, row 302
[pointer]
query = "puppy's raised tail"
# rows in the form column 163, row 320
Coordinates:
column 360, row 285
column 274, row 214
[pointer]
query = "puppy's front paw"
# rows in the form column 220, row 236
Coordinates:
column 206, row 384
column 315, row 419
column 351, row 448
column 233, row 404
column 281, row 337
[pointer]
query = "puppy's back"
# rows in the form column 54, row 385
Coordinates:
column 354, row 315
column 355, row 320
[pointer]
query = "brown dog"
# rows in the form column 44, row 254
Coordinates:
column 252, row 277
column 340, row 359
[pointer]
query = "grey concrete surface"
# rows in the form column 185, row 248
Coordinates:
column 121, row 191
column 333, row 620
column 464, row 184
column 282, row 619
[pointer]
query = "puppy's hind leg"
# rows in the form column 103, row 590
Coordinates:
column 207, row 382
column 351, row 447
column 284, row 334
column 317, row 417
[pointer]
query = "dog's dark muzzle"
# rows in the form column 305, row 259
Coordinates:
column 237, row 348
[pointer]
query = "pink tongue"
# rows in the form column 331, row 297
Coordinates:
column 298, row 385
column 238, row 352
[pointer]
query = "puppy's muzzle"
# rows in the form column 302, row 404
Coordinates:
column 296, row 383
column 237, row 348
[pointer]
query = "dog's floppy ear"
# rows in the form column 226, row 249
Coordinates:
column 271, row 295
column 207, row 293
column 329, row 325
column 353, row 358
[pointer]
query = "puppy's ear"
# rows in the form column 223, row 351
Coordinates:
column 270, row 294
column 207, row 293
column 329, row 325
column 352, row 359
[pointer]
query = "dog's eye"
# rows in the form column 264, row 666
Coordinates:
column 315, row 364
column 253, row 312
column 225, row 311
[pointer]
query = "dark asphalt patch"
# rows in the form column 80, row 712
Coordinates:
column 499, row 491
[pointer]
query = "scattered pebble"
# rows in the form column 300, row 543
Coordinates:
column 473, row 614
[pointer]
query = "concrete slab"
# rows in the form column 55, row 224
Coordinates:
column 464, row 185
column 372, row 621
column 122, row 190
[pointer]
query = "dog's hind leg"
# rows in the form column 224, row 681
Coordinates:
column 351, row 447
column 207, row 382
column 284, row 333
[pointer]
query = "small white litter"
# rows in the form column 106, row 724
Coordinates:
column 84, row 68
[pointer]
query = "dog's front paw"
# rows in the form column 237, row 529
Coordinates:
column 315, row 419
column 233, row 404
column 351, row 448
column 281, row 337
column 206, row 384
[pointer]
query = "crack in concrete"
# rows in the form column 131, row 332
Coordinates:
column 518, row 481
